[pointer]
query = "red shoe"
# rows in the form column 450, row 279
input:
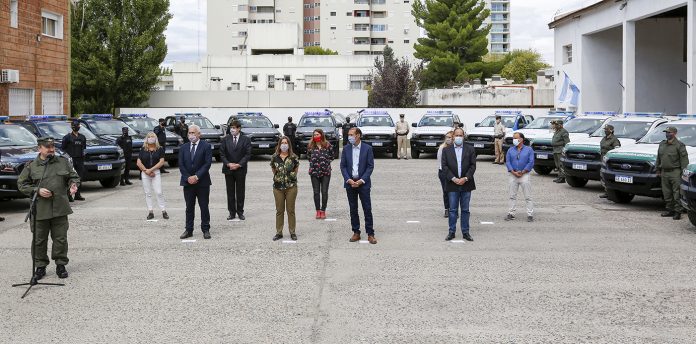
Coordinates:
column 323, row 215
column 318, row 214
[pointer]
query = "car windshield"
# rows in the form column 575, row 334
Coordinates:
column 542, row 123
column 111, row 128
column 255, row 122
column 203, row 122
column 12, row 135
column 626, row 130
column 57, row 130
column 508, row 121
column 316, row 122
column 686, row 133
column 142, row 125
column 375, row 121
column 583, row 125
column 436, row 121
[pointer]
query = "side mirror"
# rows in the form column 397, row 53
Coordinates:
column 217, row 126
column 415, row 125
column 461, row 125
column 521, row 125
column 477, row 124
column 276, row 126
column 339, row 126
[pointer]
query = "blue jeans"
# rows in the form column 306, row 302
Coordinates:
column 458, row 200
column 364, row 194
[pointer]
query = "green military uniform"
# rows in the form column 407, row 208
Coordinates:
column 608, row 143
column 51, row 213
column 560, row 138
column 672, row 159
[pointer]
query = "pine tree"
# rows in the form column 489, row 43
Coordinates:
column 456, row 40
column 393, row 82
column 117, row 49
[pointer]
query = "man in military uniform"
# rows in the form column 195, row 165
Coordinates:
column 672, row 159
column 609, row 142
column 346, row 129
column 289, row 130
column 74, row 144
column 126, row 143
column 51, row 210
column 161, row 132
column 559, row 140
column 182, row 129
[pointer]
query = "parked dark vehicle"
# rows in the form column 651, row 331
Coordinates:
column 210, row 132
column 264, row 135
column 310, row 121
column 109, row 129
column 143, row 124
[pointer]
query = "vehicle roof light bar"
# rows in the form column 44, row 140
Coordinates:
column 37, row 118
column 101, row 116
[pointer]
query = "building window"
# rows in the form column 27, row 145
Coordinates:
column 333, row 28
column 378, row 27
column 378, row 2
column 52, row 102
column 14, row 13
column 233, row 87
column 271, row 81
column 286, row 78
column 350, row 14
column 255, row 78
column 359, row 82
column 568, row 53
column 21, row 102
column 406, row 41
column 51, row 24
column 235, row 48
column 333, row 14
column 242, row 8
column 242, row 20
column 315, row 82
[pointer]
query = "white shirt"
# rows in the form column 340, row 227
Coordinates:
column 356, row 160
column 458, row 153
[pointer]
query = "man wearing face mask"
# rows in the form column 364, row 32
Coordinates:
column 402, row 129
column 499, row 135
column 74, row 144
column 560, row 139
column 459, row 165
column 51, row 210
column 672, row 159
column 161, row 132
column 235, row 152
column 289, row 130
column 520, row 161
column 182, row 129
column 357, row 164
column 609, row 142
column 126, row 143
column 195, row 159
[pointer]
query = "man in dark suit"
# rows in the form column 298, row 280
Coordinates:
column 357, row 164
column 235, row 151
column 459, row 165
column 195, row 159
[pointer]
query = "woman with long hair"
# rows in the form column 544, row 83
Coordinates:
column 320, row 155
column 284, row 164
column 150, row 160
column 441, row 174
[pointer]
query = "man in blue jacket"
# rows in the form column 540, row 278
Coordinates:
column 357, row 164
column 195, row 158
column 520, row 161
column 459, row 165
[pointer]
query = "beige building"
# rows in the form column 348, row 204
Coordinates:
column 499, row 37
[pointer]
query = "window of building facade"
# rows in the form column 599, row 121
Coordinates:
column 568, row 53
column 255, row 78
column 21, row 102
column 315, row 82
column 51, row 24
column 333, row 14
column 52, row 102
column 271, row 81
column 234, row 86
column 359, row 82
column 14, row 13
column 286, row 78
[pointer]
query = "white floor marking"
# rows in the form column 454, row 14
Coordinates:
column 188, row 240
column 457, row 241
column 151, row 220
column 329, row 220
column 412, row 221
column 364, row 242
column 289, row 241
column 486, row 223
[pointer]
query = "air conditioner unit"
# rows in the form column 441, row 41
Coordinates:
column 9, row 76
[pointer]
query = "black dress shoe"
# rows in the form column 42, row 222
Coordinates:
column 677, row 216
column 206, row 235
column 468, row 237
column 603, row 196
column 231, row 217
column 559, row 180
column 61, row 272
column 39, row 273
column 446, row 213
column 122, row 183
column 185, row 235
column 449, row 237
column 163, row 171
column 79, row 198
column 293, row 237
column 150, row 216
column 165, row 215
column 241, row 217
column 128, row 182
column 667, row 214
column 277, row 237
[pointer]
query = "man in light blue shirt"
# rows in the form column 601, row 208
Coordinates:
column 519, row 162
column 357, row 164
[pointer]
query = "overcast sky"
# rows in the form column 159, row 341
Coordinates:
column 186, row 34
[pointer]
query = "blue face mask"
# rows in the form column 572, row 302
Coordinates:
column 458, row 140
column 351, row 139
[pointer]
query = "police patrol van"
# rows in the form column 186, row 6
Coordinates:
column 310, row 121
column 688, row 192
column 210, row 132
column 378, row 130
column 582, row 159
column 109, row 129
column 539, row 126
column 482, row 136
column 630, row 171
column 430, row 131
column 264, row 135
column 143, row 124
column 578, row 128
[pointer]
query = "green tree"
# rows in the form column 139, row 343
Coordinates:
column 117, row 49
column 394, row 83
column 456, row 40
column 319, row 51
column 523, row 65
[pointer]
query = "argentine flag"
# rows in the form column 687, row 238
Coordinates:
column 570, row 93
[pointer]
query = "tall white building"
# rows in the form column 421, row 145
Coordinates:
column 499, row 37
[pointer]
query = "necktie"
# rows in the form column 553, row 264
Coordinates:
column 193, row 150
column 234, row 141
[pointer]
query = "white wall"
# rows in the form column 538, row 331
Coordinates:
column 265, row 99
column 601, row 71
column 503, row 97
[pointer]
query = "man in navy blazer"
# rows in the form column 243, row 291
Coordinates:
column 195, row 158
column 357, row 164
column 459, row 165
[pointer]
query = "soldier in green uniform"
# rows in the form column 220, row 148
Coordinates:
column 52, row 207
column 609, row 142
column 559, row 140
column 672, row 159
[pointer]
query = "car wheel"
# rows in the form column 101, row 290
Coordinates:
column 173, row 163
column 620, row 197
column 692, row 217
column 110, row 183
column 218, row 158
column 543, row 170
column 415, row 153
column 576, row 182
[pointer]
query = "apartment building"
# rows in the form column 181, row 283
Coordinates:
column 34, row 57
column 499, row 37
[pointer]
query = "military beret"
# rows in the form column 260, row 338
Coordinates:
column 670, row 130
column 46, row 141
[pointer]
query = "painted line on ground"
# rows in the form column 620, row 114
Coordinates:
column 188, row 241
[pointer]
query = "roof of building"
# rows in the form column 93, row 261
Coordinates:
column 559, row 19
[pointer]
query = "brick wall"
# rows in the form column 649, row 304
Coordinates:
column 43, row 64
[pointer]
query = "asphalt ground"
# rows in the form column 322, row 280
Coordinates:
column 586, row 271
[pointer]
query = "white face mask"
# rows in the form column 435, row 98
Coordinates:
column 515, row 142
column 193, row 138
column 284, row 147
column 151, row 140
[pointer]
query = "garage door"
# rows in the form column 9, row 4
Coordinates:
column 21, row 102
column 52, row 102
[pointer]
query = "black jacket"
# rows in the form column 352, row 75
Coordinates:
column 74, row 145
column 126, row 143
column 161, row 135
column 449, row 167
column 239, row 154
